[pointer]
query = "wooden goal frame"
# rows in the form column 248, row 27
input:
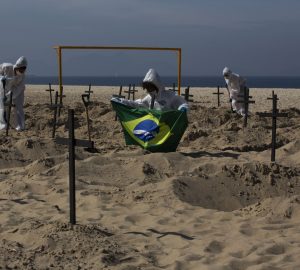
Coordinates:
column 60, row 48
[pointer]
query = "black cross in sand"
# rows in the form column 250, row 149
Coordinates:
column 89, row 92
column 274, row 114
column 72, row 142
column 173, row 88
column 61, row 96
column 131, row 91
column 119, row 96
column 55, row 106
column 246, row 101
column 50, row 90
column 218, row 93
column 186, row 94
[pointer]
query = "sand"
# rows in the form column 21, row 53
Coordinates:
column 216, row 203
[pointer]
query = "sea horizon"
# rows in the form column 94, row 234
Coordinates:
column 192, row 81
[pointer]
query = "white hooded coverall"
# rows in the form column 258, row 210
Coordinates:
column 163, row 99
column 235, row 84
column 16, row 84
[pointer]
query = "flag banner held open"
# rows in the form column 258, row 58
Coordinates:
column 154, row 130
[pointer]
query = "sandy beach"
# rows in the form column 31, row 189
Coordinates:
column 216, row 203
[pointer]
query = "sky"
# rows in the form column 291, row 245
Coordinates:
column 255, row 38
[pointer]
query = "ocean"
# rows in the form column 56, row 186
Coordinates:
column 201, row 81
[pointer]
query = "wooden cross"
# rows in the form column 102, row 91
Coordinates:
column 61, row 96
column 131, row 91
column 72, row 142
column 187, row 94
column 55, row 106
column 173, row 88
column 128, row 92
column 274, row 114
column 89, row 92
column 246, row 101
column 218, row 93
column 119, row 96
column 50, row 90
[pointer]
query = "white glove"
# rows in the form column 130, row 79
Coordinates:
column 183, row 108
column 116, row 99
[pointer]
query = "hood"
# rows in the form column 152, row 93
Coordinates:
column 21, row 62
column 8, row 69
column 226, row 70
column 153, row 77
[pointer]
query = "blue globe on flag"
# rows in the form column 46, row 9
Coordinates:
column 146, row 130
column 153, row 130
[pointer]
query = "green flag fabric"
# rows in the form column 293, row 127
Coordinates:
column 154, row 130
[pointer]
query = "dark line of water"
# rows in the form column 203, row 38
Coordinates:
column 204, row 81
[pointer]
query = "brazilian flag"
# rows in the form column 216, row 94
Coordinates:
column 154, row 130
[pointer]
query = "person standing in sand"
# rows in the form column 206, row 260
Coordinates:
column 13, row 80
column 235, row 86
column 157, row 98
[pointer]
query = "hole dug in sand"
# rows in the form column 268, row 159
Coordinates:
column 231, row 187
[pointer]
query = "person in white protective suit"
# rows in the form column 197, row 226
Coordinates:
column 235, row 87
column 157, row 98
column 12, row 79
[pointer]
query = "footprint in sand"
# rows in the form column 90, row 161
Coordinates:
column 276, row 249
column 246, row 229
column 214, row 247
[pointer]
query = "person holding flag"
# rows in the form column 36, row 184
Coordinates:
column 156, row 122
column 157, row 97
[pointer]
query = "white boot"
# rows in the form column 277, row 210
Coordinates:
column 2, row 126
column 18, row 128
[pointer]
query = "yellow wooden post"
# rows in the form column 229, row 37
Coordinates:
column 179, row 70
column 59, row 70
